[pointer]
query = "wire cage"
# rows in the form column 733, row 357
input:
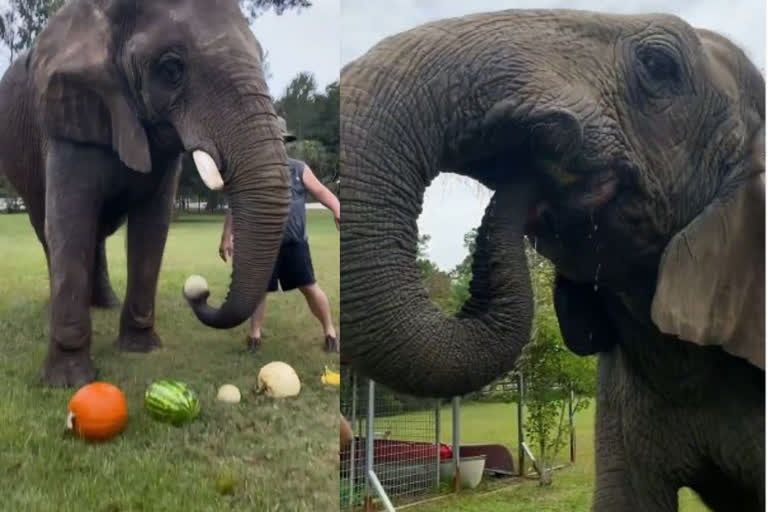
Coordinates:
column 407, row 458
column 406, row 447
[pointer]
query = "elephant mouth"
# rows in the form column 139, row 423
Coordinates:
column 563, row 194
column 569, row 218
column 582, row 195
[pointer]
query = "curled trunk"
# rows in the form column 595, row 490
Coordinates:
column 258, row 187
column 397, row 336
column 419, row 102
column 393, row 333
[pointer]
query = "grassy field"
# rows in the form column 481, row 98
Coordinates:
column 259, row 455
column 571, row 490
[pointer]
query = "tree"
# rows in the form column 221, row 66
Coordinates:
column 550, row 370
column 255, row 8
column 317, row 157
column 297, row 105
column 22, row 21
column 313, row 116
column 33, row 15
column 462, row 273
column 327, row 130
column 552, row 373
column 437, row 283
column 9, row 34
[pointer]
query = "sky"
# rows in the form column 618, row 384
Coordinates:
column 454, row 205
column 305, row 40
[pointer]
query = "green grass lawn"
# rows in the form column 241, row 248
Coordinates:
column 259, row 455
column 571, row 490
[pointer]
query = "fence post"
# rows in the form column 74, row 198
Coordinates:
column 373, row 481
column 520, row 427
column 353, row 445
column 369, row 452
column 456, row 443
column 437, row 440
column 571, row 428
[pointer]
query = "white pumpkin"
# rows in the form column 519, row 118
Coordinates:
column 278, row 380
column 195, row 287
column 229, row 394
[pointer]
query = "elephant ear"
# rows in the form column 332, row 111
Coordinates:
column 584, row 324
column 79, row 91
column 711, row 284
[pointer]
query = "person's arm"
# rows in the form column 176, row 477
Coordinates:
column 226, row 245
column 322, row 193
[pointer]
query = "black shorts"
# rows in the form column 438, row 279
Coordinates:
column 293, row 267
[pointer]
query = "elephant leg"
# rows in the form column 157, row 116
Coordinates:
column 147, row 233
column 36, row 209
column 613, row 491
column 624, row 482
column 71, row 225
column 103, row 295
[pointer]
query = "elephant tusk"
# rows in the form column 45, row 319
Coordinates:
column 208, row 170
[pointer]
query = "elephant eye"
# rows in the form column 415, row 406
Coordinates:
column 659, row 70
column 658, row 65
column 170, row 69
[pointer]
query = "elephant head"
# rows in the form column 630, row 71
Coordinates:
column 627, row 148
column 153, row 79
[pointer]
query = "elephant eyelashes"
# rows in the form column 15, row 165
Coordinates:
column 170, row 69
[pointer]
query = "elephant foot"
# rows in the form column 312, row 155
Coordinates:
column 143, row 340
column 65, row 369
column 105, row 298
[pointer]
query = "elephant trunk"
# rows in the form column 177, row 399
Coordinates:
column 393, row 333
column 258, row 186
column 401, row 122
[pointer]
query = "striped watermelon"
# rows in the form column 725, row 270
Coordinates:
column 171, row 401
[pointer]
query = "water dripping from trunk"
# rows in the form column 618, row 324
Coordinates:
column 597, row 276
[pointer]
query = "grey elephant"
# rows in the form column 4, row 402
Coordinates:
column 630, row 150
column 96, row 118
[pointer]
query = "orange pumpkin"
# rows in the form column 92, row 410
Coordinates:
column 97, row 411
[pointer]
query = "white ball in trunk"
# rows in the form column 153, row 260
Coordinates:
column 195, row 287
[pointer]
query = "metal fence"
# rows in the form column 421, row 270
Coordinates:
column 397, row 456
column 401, row 432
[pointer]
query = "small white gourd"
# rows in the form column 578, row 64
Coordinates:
column 229, row 394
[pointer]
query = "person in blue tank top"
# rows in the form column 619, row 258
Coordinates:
column 293, row 268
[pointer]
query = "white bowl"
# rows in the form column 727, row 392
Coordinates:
column 470, row 470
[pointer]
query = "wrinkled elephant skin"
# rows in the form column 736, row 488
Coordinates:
column 630, row 148
column 97, row 117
